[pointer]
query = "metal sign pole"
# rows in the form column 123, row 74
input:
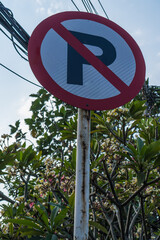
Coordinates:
column 81, row 215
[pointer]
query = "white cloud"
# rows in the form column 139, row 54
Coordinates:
column 138, row 35
column 49, row 7
column 138, row 32
column 158, row 54
column 40, row 2
column 54, row 8
column 40, row 10
column 50, row 11
column 23, row 113
column 23, row 110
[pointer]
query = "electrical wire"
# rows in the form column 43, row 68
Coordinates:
column 93, row 7
column 14, row 42
column 103, row 9
column 25, row 79
column 89, row 7
column 75, row 5
column 6, row 9
column 16, row 46
column 84, row 4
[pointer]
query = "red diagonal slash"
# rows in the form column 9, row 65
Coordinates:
column 90, row 57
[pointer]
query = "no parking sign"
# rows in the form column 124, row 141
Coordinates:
column 86, row 60
column 91, row 63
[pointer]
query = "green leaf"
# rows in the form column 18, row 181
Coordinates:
column 31, row 232
column 33, row 95
column 132, row 166
column 51, row 237
column 8, row 160
column 60, row 218
column 19, row 156
column 140, row 178
column 17, row 123
column 137, row 109
column 157, row 162
column 24, row 222
column 11, row 229
column 28, row 155
column 131, row 149
column 1, row 181
column 43, row 217
column 125, row 155
column 35, row 238
column 54, row 237
column 98, row 226
column 152, row 150
column 158, row 211
column 98, row 119
column 94, row 145
column 53, row 215
column 62, row 110
column 71, row 201
column 142, row 153
column 140, row 144
column 95, row 162
column 56, row 205
column 28, row 121
column 73, row 160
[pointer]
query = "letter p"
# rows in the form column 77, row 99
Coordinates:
column 75, row 61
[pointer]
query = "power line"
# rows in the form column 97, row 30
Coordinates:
column 103, row 8
column 15, row 47
column 25, row 79
column 93, row 7
column 84, row 4
column 89, row 7
column 14, row 42
column 75, row 5
column 8, row 21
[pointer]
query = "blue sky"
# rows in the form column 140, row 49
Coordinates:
column 140, row 18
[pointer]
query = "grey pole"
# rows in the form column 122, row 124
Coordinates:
column 81, row 215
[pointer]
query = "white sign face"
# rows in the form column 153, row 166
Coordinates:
column 86, row 60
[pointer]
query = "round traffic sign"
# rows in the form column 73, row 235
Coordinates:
column 86, row 60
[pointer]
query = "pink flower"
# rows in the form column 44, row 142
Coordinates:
column 65, row 190
column 31, row 204
column 62, row 178
column 50, row 180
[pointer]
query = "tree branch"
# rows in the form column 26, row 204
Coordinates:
column 143, row 217
column 5, row 198
column 107, row 194
column 139, row 190
column 134, row 219
column 111, row 184
column 128, row 219
column 114, row 134
column 108, row 219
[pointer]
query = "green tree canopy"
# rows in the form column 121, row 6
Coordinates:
column 40, row 177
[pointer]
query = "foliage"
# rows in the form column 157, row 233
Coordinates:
column 40, row 177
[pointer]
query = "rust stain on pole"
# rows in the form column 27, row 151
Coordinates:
column 84, row 159
column 82, row 176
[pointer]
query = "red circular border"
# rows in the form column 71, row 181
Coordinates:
column 84, row 103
